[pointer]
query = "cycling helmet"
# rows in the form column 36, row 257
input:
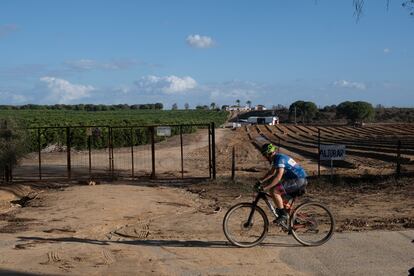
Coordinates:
column 268, row 148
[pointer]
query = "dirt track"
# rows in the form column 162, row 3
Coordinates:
column 125, row 228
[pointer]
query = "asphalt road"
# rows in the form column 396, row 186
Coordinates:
column 366, row 253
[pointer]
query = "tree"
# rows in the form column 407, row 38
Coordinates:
column 202, row 107
column 238, row 102
column 249, row 103
column 213, row 106
column 355, row 111
column 186, row 106
column 329, row 108
column 359, row 6
column 305, row 110
column 409, row 5
column 159, row 106
column 174, row 106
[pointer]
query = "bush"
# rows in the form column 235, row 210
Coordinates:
column 12, row 147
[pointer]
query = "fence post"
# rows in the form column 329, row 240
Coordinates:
column 233, row 164
column 319, row 152
column 39, row 146
column 182, row 152
column 68, row 143
column 210, row 167
column 109, row 149
column 112, row 154
column 90, row 155
column 152, row 131
column 132, row 151
column 213, row 145
column 398, row 158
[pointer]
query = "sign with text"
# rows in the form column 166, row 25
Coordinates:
column 332, row 152
column 163, row 131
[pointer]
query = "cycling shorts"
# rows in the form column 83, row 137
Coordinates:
column 289, row 186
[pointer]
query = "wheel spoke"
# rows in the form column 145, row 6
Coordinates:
column 242, row 232
column 312, row 224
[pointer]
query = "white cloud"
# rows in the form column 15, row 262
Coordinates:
column 169, row 84
column 90, row 64
column 12, row 98
column 63, row 91
column 230, row 91
column 350, row 84
column 387, row 50
column 199, row 41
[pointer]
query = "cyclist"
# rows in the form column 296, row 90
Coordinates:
column 288, row 177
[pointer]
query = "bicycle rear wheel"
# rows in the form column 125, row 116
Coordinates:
column 241, row 233
column 312, row 224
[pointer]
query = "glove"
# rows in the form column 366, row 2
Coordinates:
column 258, row 187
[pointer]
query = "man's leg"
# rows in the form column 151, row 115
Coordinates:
column 276, row 194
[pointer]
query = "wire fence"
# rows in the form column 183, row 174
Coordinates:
column 77, row 152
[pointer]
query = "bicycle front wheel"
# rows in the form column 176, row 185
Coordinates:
column 239, row 231
column 312, row 224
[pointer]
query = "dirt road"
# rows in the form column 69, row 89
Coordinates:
column 126, row 229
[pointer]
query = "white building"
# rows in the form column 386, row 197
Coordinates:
column 238, row 108
column 260, row 107
column 268, row 120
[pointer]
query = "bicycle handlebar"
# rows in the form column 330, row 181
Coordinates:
column 258, row 187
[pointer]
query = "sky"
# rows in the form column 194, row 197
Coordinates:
column 203, row 51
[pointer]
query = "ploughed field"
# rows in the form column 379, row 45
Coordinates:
column 371, row 149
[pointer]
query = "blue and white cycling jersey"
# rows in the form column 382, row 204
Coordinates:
column 292, row 169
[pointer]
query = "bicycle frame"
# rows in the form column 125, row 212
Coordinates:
column 262, row 195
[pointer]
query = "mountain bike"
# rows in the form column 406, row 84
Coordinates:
column 310, row 223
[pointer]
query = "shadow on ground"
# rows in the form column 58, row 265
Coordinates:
column 164, row 243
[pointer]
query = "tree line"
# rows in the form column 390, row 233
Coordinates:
column 353, row 112
column 83, row 107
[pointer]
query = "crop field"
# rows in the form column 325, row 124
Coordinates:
column 370, row 149
column 51, row 120
column 41, row 118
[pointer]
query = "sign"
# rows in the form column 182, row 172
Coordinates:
column 89, row 131
column 332, row 152
column 163, row 131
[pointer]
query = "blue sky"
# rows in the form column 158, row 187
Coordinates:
column 177, row 51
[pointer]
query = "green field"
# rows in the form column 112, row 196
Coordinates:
column 118, row 118
column 41, row 118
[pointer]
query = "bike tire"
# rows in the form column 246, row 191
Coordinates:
column 230, row 226
column 308, row 220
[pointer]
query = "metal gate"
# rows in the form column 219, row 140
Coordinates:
column 138, row 152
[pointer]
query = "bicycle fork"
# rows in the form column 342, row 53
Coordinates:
column 254, row 204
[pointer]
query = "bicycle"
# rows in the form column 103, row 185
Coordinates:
column 310, row 223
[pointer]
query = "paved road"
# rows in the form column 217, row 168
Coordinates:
column 367, row 253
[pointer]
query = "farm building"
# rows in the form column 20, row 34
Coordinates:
column 269, row 120
column 238, row 108
column 260, row 107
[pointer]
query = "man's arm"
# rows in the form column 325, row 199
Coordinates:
column 276, row 180
column 268, row 175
